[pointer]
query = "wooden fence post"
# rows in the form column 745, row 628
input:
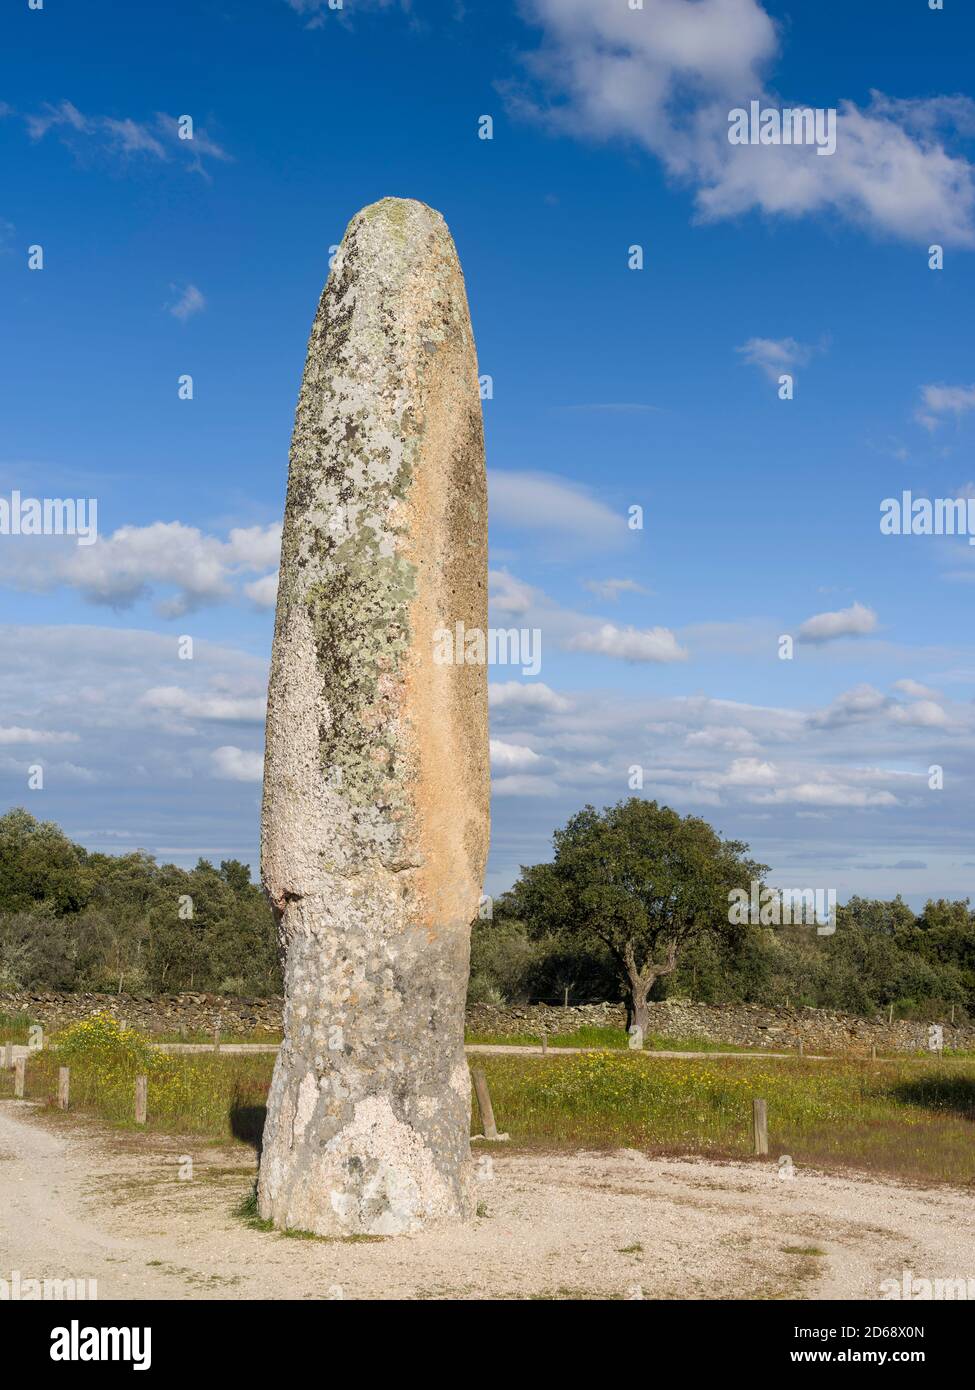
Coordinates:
column 64, row 1082
column 20, row 1077
column 544, row 1044
column 760, row 1126
column 873, row 1052
column 484, row 1103
column 141, row 1093
column 216, row 1039
column 801, row 1048
column 8, row 1055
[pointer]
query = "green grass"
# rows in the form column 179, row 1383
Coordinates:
column 246, row 1211
column 580, row 1037
column 256, row 1035
column 221, row 1096
column 606, row 1037
column 13, row 1028
column 912, row 1118
column 908, row 1119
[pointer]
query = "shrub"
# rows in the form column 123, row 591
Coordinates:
column 100, row 1043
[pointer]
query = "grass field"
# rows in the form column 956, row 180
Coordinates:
column 605, row 1037
column 910, row 1118
column 193, row 1035
column 13, row 1028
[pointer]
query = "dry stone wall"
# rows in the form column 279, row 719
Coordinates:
column 741, row 1025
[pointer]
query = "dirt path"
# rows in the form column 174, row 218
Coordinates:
column 86, row 1203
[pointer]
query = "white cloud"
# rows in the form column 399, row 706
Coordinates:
column 233, row 764
column 320, row 11
column 855, row 621
column 190, row 301
column 576, row 631
column 938, row 401
column 610, row 589
column 629, row 643
column 766, row 783
column 64, row 114
column 828, row 793
column 523, row 784
column 515, row 695
column 542, row 502
column 925, row 714
column 13, row 734
column 128, row 565
column 666, row 77
column 775, row 355
column 735, row 738
column 55, row 774
column 121, row 138
column 263, row 593
column 255, row 547
column 72, row 772
column 508, row 594
column 167, row 759
column 865, row 704
column 745, row 772
column 173, row 699
column 511, row 757
column 140, row 761
column 917, row 690
column 862, row 702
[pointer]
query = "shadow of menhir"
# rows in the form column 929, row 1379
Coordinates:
column 247, row 1121
column 945, row 1094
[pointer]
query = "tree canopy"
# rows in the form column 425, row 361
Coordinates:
column 639, row 880
column 563, row 928
column 70, row 919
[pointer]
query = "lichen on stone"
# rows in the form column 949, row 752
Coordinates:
column 374, row 828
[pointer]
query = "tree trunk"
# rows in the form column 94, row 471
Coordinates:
column 641, row 1015
column 638, row 983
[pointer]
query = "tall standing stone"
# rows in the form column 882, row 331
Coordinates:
column 375, row 820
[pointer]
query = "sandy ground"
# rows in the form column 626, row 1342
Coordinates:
column 78, row 1201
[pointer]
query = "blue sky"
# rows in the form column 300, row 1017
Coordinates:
column 612, row 388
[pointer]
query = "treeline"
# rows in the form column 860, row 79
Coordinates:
column 71, row 920
column 74, row 920
column 881, row 954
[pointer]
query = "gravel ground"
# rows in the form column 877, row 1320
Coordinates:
column 84, row 1202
